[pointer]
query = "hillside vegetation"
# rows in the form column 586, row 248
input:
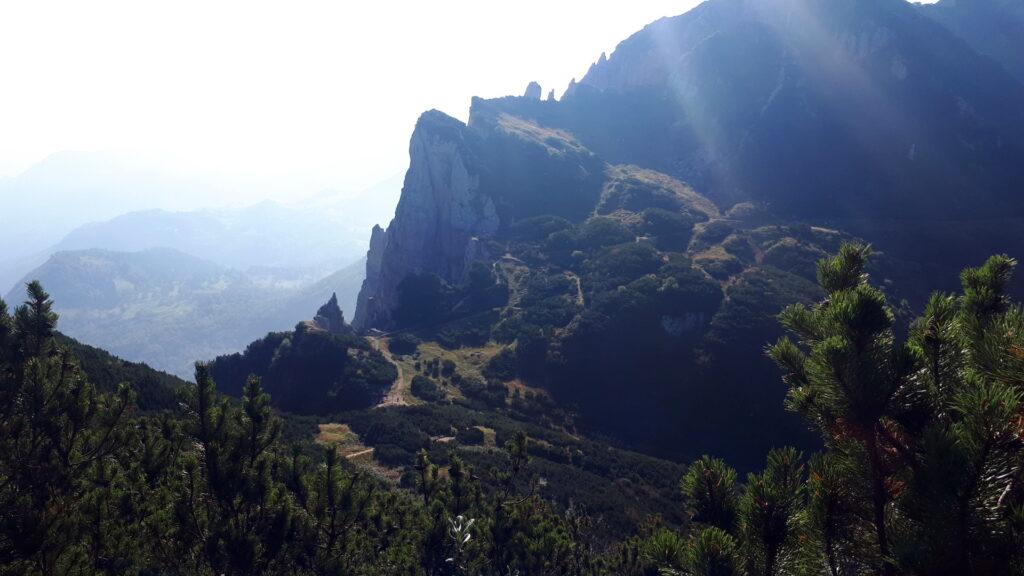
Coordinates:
column 923, row 449
column 645, row 319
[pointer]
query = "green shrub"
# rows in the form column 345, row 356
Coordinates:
column 714, row 231
column 531, row 352
column 538, row 227
column 403, row 343
column 600, row 231
column 671, row 230
column 471, row 436
column 392, row 455
column 502, row 366
column 447, row 368
column 492, row 393
column 397, row 432
column 426, row 389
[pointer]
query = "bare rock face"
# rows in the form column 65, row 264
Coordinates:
column 374, row 256
column 570, row 90
column 330, row 317
column 439, row 217
column 533, row 91
column 464, row 183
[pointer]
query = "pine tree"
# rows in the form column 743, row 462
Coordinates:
column 770, row 514
column 462, row 487
column 848, row 375
column 339, row 505
column 35, row 320
column 709, row 487
column 924, row 445
column 58, row 444
column 427, row 479
column 6, row 335
column 245, row 515
column 713, row 552
column 834, row 522
column 666, row 550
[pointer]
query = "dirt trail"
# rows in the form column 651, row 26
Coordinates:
column 355, row 455
column 399, row 390
column 579, row 288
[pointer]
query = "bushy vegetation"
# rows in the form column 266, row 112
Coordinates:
column 922, row 470
column 309, row 371
column 404, row 343
column 426, row 389
column 90, row 486
column 154, row 390
column 425, row 302
column 622, row 313
column 619, row 486
column 923, row 467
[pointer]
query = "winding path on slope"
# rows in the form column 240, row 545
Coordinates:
column 398, row 393
column 355, row 455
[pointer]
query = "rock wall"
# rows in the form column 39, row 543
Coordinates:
column 438, row 220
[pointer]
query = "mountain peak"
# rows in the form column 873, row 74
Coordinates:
column 330, row 317
column 533, row 91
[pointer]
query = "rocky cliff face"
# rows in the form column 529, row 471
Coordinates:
column 438, row 220
column 465, row 182
column 994, row 28
column 374, row 255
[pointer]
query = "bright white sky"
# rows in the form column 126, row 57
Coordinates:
column 326, row 90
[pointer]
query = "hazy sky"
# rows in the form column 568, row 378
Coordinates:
column 326, row 90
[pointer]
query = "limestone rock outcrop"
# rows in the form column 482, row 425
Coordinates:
column 463, row 184
column 330, row 317
column 439, row 216
column 533, row 91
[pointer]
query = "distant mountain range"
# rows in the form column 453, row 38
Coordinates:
column 170, row 309
column 68, row 189
column 167, row 285
column 265, row 235
column 77, row 200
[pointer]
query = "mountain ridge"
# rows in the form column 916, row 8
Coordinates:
column 169, row 308
column 994, row 28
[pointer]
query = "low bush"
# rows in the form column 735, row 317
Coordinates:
column 403, row 344
column 426, row 389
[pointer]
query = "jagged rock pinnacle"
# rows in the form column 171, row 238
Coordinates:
column 330, row 317
column 533, row 91
column 571, row 88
